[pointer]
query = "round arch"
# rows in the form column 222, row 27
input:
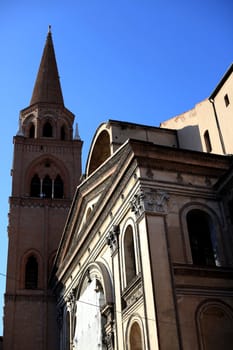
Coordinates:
column 214, row 324
column 100, row 149
column 98, row 270
column 129, row 243
column 197, row 206
column 135, row 335
column 93, row 296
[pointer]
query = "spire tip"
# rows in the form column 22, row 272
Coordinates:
column 49, row 31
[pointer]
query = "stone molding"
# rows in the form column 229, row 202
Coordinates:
column 133, row 293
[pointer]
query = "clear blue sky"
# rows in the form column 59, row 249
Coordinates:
column 142, row 61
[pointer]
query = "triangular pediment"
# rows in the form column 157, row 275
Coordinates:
column 90, row 199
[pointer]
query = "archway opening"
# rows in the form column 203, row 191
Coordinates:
column 129, row 254
column 202, row 238
column 31, row 273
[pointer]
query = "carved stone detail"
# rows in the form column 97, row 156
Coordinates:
column 132, row 294
column 149, row 200
column 109, row 340
column 112, row 238
column 108, row 333
column 137, row 203
column 71, row 301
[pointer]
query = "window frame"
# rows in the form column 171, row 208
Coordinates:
column 185, row 233
column 130, row 222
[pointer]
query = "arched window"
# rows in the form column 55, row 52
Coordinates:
column 32, row 131
column 63, row 133
column 31, row 273
column 135, row 337
column 35, row 186
column 215, row 324
column 202, row 238
column 129, row 254
column 47, row 130
column 207, row 141
column 58, row 187
column 47, row 187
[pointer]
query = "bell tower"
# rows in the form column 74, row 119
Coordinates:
column 46, row 170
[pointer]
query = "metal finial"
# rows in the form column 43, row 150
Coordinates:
column 49, row 29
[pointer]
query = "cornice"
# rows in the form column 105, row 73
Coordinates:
column 39, row 202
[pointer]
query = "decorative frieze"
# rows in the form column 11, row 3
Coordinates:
column 112, row 238
column 149, row 200
column 17, row 202
column 132, row 294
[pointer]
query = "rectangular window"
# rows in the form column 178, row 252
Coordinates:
column 226, row 99
column 207, row 141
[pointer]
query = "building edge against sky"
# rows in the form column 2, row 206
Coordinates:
column 144, row 286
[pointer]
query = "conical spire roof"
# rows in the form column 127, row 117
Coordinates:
column 47, row 87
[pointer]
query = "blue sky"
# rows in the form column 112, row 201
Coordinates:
column 141, row 61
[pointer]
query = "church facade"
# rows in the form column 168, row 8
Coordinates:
column 137, row 253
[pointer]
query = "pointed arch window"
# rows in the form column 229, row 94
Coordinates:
column 47, row 130
column 31, row 273
column 58, row 187
column 202, row 238
column 47, row 187
column 129, row 254
column 32, row 131
column 35, row 186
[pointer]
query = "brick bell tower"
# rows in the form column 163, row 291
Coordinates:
column 46, row 171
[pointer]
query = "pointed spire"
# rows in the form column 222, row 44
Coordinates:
column 76, row 135
column 47, row 87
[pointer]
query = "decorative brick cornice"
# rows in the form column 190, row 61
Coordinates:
column 39, row 202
